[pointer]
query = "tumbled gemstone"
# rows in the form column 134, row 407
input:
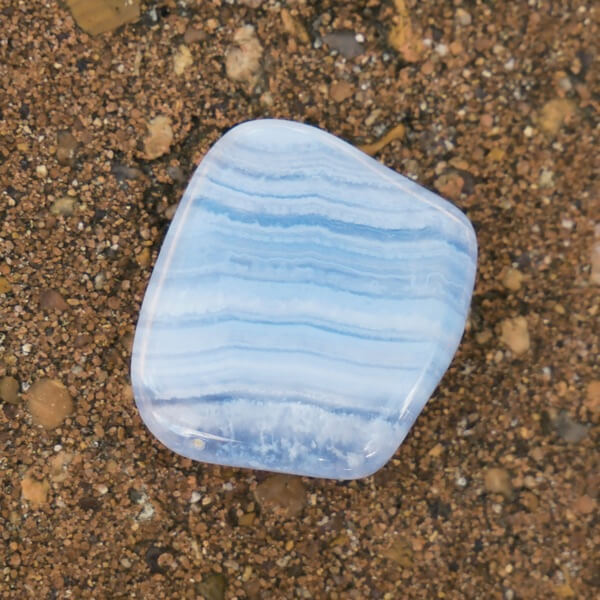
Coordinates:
column 305, row 304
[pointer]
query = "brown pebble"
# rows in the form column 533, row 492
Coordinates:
column 242, row 61
column 58, row 466
column 584, row 505
column 63, row 206
column 283, row 494
column 436, row 451
column 554, row 114
column 498, row 481
column 99, row 16
column 293, row 26
column 9, row 389
column 82, row 340
column 402, row 36
column 592, row 397
column 193, row 35
column 246, row 520
column 512, row 280
column 483, row 337
column 114, row 303
column 52, row 300
column 5, row 286
column 212, row 587
column 49, row 403
column 450, row 185
column 400, row 552
column 127, row 342
column 159, row 138
column 515, row 335
column 530, row 501
column 35, row 491
column 182, row 60
column 66, row 145
column 144, row 257
column 15, row 560
column 340, row 91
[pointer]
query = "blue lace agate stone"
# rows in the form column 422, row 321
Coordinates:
column 305, row 304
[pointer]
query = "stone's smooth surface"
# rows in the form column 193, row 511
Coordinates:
column 100, row 16
column 49, row 403
column 305, row 304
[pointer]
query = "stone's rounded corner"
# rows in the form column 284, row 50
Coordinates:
column 278, row 127
column 250, row 127
column 368, row 468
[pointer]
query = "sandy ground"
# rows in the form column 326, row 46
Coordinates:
column 494, row 104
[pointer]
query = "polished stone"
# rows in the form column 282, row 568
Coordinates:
column 305, row 304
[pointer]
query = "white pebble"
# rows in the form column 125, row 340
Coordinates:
column 567, row 224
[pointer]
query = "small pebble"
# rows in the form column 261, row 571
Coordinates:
column 283, row 494
column 49, row 403
column 242, row 62
column 159, row 138
column 498, row 481
column 52, row 300
column 570, row 430
column 212, row 587
column 9, row 389
column 546, row 179
column 193, row 35
column 400, row 552
column 461, row 481
column 512, row 280
column 555, row 114
column 345, row 43
column 63, row 206
column 294, row 27
column 515, row 335
column 592, row 397
column 144, row 257
column 5, row 286
column 462, row 17
column 66, row 145
column 584, row 505
column 99, row 16
column 340, row 91
column 182, row 60
column 483, row 337
column 34, row 490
